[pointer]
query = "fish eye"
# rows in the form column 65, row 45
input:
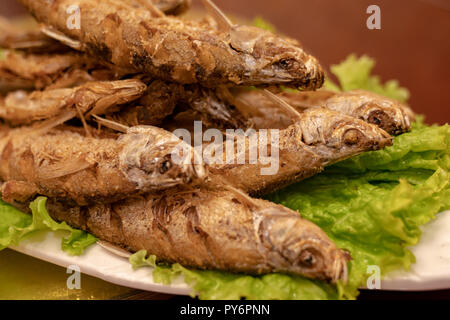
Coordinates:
column 307, row 259
column 352, row 137
column 165, row 166
column 284, row 63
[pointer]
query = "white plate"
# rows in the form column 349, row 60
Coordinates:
column 431, row 272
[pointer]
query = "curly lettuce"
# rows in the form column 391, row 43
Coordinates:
column 356, row 73
column 263, row 24
column 16, row 226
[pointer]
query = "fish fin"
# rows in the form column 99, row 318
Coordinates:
column 241, row 195
column 111, row 124
column 283, row 104
column 62, row 169
column 222, row 20
column 49, row 124
column 114, row 249
column 59, row 36
column 83, row 121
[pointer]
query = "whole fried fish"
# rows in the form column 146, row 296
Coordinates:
column 64, row 164
column 180, row 51
column 128, row 102
column 213, row 229
column 320, row 137
column 392, row 116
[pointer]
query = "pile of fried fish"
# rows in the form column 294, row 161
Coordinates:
column 90, row 102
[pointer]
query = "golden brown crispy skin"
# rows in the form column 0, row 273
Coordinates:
column 18, row 38
column 213, row 229
column 319, row 138
column 186, row 52
column 161, row 98
column 100, row 97
column 392, row 116
column 65, row 164
column 263, row 112
column 21, row 108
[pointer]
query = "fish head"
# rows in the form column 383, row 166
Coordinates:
column 156, row 159
column 270, row 59
column 300, row 246
column 391, row 115
column 334, row 136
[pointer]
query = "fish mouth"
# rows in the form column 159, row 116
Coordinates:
column 303, row 248
column 352, row 141
column 391, row 124
column 330, row 264
column 390, row 118
column 191, row 168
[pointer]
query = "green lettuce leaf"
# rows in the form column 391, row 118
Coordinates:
column 218, row 285
column 355, row 73
column 16, row 225
column 264, row 24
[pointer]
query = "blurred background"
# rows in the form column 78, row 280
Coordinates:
column 412, row 46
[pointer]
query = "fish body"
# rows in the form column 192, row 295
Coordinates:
column 319, row 138
column 180, row 51
column 213, row 229
column 66, row 164
column 15, row 38
column 22, row 108
column 161, row 98
column 392, row 116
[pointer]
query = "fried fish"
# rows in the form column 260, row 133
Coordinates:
column 66, row 164
column 213, row 229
